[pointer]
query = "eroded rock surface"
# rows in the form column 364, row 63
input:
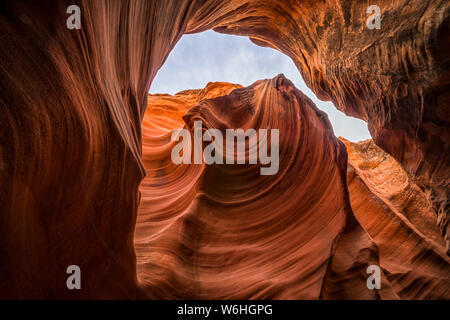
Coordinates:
column 226, row 231
column 400, row 219
column 72, row 103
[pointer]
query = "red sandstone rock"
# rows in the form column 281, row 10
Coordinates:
column 72, row 102
column 401, row 221
column 225, row 231
column 396, row 78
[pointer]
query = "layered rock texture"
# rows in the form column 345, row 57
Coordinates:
column 228, row 232
column 399, row 218
column 198, row 226
column 71, row 156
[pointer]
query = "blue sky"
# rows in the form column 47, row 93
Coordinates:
column 210, row 56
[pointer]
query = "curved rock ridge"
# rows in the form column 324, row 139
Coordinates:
column 165, row 112
column 399, row 218
column 227, row 232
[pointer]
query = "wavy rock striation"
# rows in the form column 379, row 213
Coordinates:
column 396, row 78
column 399, row 218
column 72, row 103
column 227, row 232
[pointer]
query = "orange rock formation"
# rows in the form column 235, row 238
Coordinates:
column 225, row 231
column 187, row 217
column 399, row 218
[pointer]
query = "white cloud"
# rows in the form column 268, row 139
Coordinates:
column 209, row 56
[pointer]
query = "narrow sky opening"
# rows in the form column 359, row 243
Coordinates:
column 210, row 56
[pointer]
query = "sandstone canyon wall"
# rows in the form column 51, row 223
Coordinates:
column 72, row 103
column 399, row 218
column 173, row 220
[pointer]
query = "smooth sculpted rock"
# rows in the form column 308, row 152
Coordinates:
column 399, row 218
column 72, row 101
column 224, row 231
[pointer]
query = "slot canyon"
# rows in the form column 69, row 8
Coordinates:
column 86, row 176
